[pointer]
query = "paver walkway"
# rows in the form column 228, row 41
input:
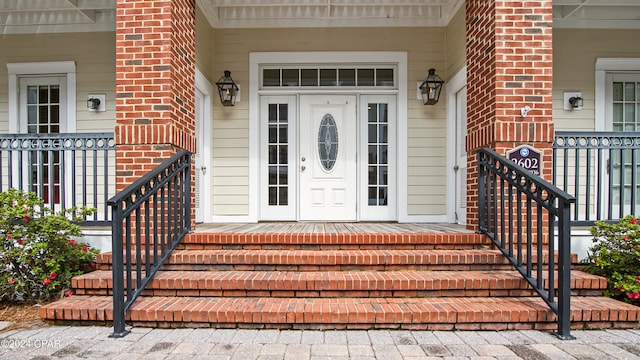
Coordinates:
column 64, row 342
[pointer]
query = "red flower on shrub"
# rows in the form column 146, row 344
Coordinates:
column 633, row 295
column 53, row 275
column 20, row 242
column 68, row 293
column 633, row 221
column 13, row 281
column 72, row 241
column 9, row 236
column 625, row 238
column 46, row 281
column 638, row 279
column 85, row 248
column 25, row 218
column 93, row 264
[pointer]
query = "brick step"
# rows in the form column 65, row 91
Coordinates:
column 327, row 260
column 460, row 313
column 336, row 284
column 336, row 241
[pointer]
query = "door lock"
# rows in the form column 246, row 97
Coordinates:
column 456, row 168
column 303, row 168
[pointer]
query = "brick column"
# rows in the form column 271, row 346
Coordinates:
column 155, row 82
column 509, row 66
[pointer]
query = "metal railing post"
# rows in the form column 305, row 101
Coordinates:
column 564, row 271
column 118, row 273
column 482, row 200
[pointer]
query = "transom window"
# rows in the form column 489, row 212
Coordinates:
column 305, row 77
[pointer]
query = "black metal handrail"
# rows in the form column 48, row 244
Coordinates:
column 152, row 215
column 601, row 170
column 65, row 170
column 523, row 215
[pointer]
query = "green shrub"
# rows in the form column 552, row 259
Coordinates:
column 616, row 256
column 38, row 252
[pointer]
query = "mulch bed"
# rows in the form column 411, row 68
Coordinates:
column 22, row 316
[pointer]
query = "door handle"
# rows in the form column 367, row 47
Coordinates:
column 203, row 169
column 456, row 168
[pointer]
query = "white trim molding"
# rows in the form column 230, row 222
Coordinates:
column 16, row 70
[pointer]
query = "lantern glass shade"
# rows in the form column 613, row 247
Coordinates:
column 228, row 89
column 431, row 87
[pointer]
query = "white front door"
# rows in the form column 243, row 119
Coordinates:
column 198, row 158
column 43, row 111
column 460, row 167
column 622, row 116
column 327, row 163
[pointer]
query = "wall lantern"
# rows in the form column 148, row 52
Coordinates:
column 573, row 100
column 97, row 102
column 576, row 102
column 93, row 104
column 431, row 87
column 228, row 89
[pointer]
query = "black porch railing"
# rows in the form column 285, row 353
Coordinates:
column 602, row 170
column 524, row 216
column 65, row 170
column 150, row 217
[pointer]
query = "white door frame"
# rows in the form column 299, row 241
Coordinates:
column 398, row 59
column 206, row 88
column 454, row 85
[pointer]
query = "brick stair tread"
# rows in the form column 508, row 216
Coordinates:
column 234, row 238
column 335, row 280
column 332, row 257
column 339, row 310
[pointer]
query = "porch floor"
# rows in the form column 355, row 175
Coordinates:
column 331, row 228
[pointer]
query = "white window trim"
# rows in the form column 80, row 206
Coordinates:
column 66, row 68
column 283, row 58
column 603, row 66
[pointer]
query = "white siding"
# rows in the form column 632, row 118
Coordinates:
column 456, row 43
column 574, row 58
column 94, row 56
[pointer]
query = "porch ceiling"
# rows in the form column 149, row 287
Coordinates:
column 44, row 16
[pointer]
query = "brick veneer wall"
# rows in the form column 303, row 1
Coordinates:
column 155, row 81
column 509, row 66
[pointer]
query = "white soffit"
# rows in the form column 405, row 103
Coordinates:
column 50, row 16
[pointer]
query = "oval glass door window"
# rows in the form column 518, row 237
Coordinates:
column 328, row 142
